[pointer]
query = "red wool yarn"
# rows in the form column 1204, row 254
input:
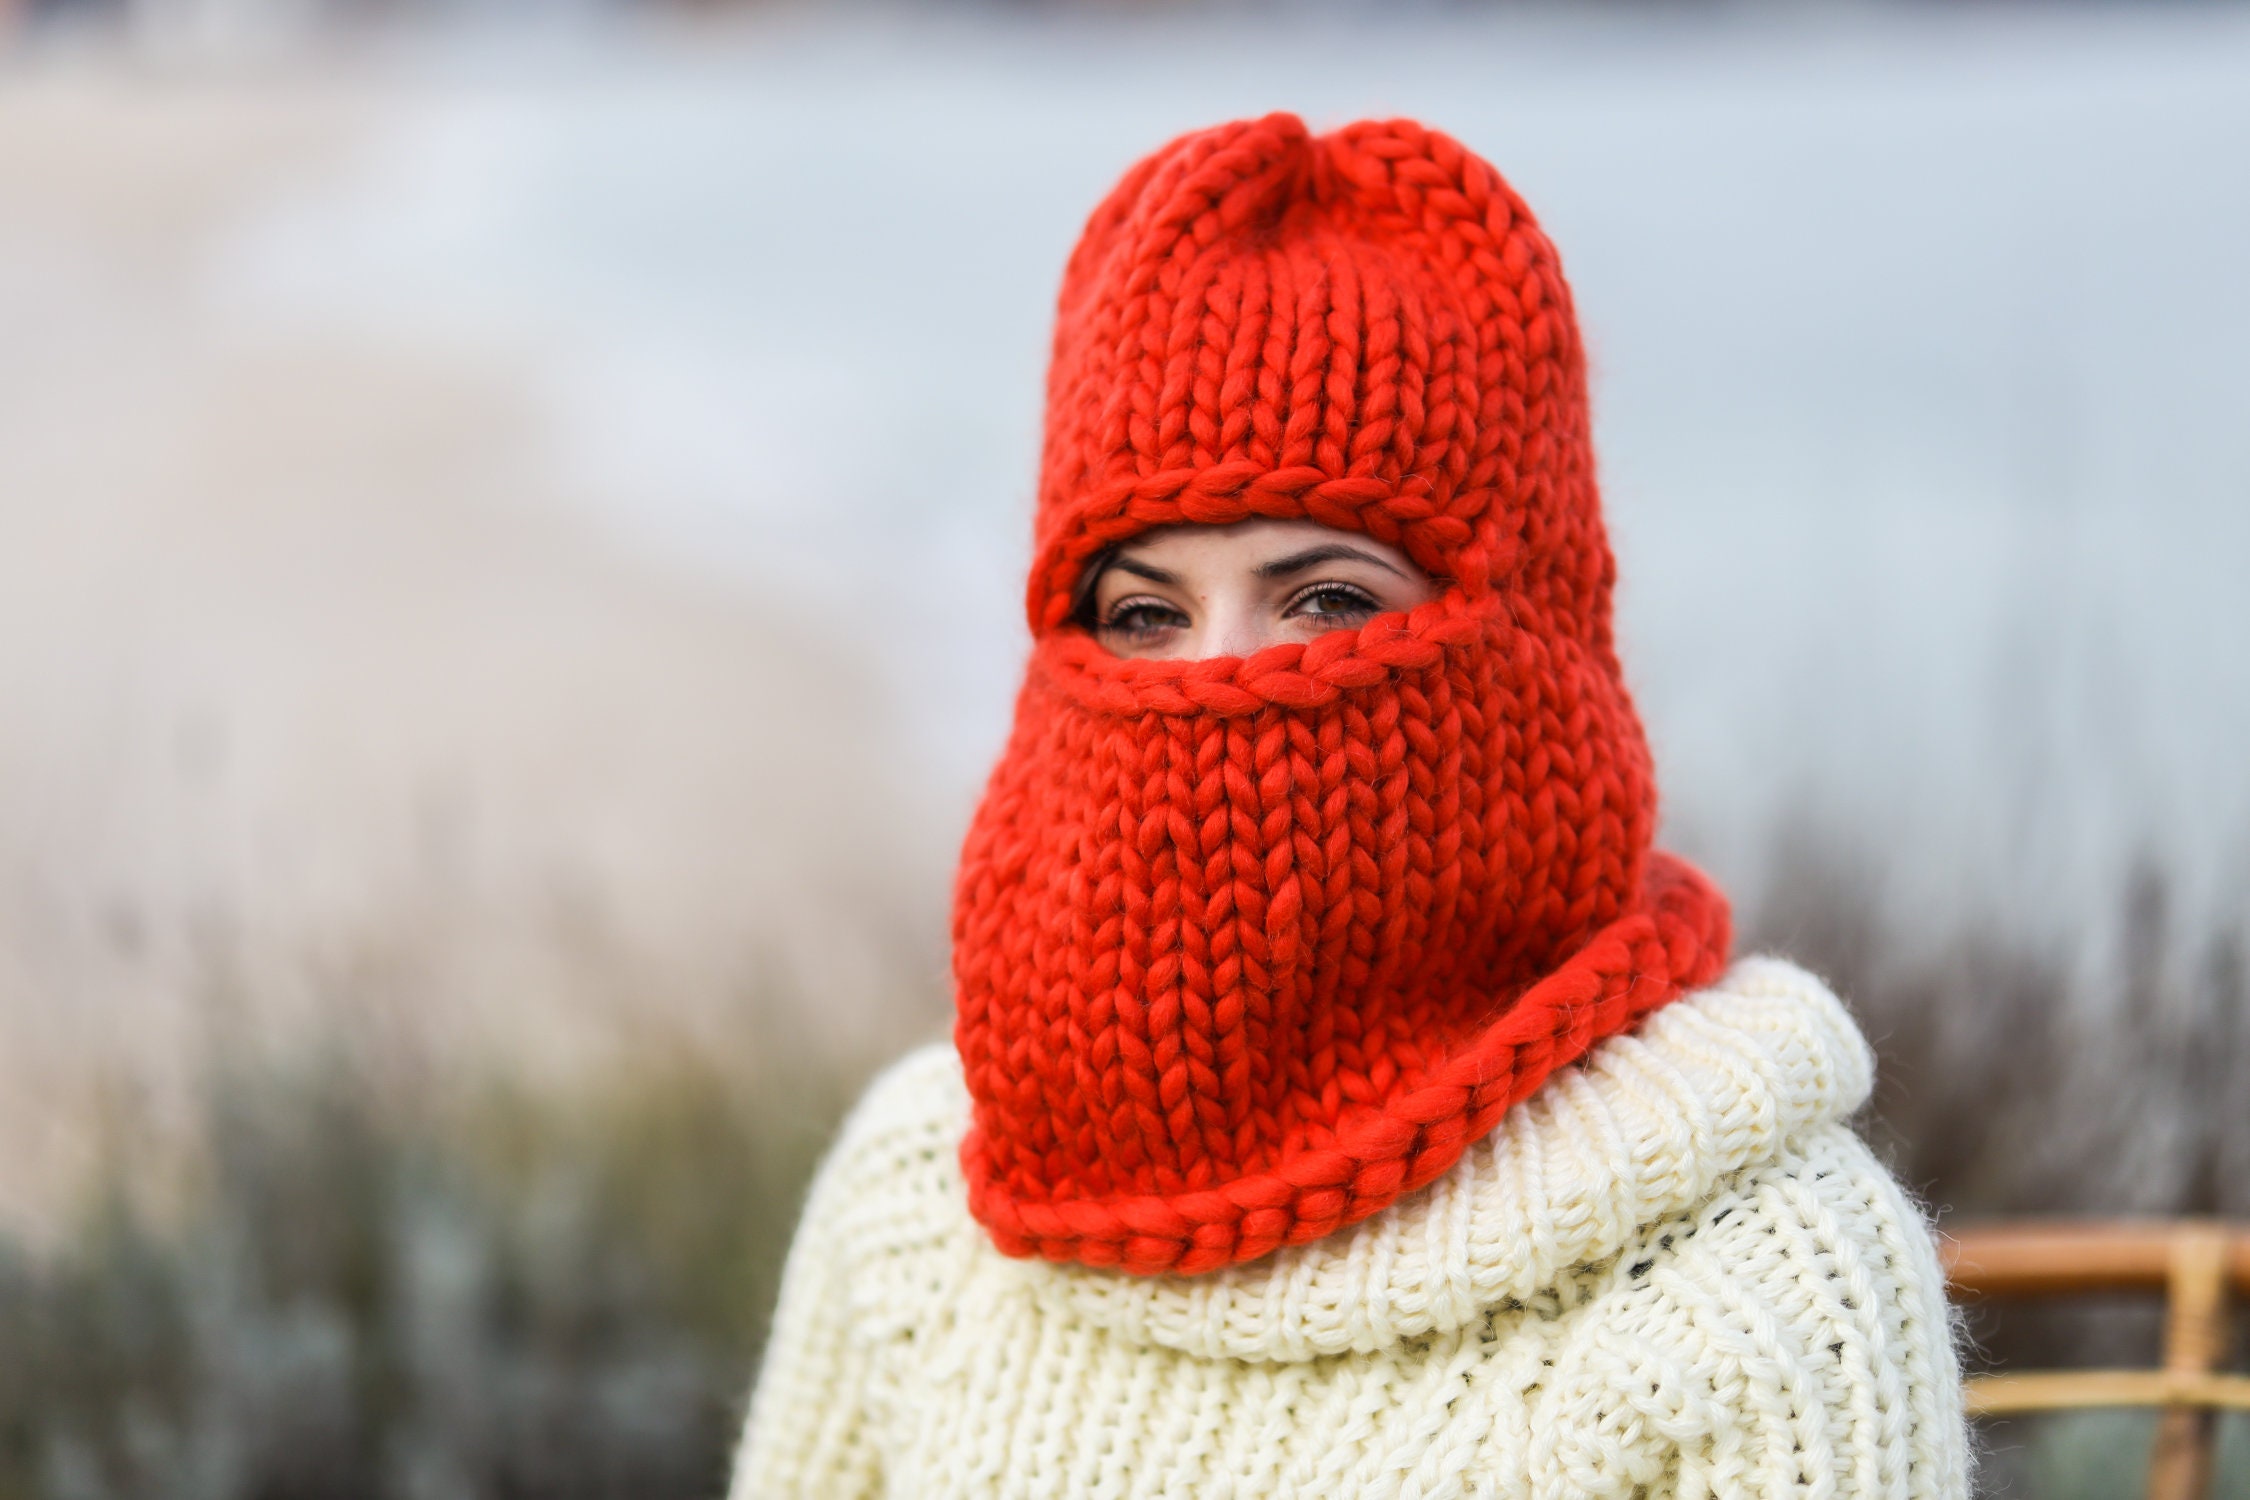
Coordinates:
column 1246, row 948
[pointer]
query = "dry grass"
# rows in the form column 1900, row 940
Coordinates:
column 2012, row 1082
column 452, row 1288
column 501, row 1295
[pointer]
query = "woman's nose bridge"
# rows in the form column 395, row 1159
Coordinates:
column 1231, row 624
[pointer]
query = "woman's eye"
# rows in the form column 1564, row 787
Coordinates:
column 1140, row 618
column 1333, row 602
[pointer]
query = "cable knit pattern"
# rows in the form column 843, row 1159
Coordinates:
column 1673, row 1270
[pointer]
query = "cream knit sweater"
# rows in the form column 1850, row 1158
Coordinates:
column 1673, row 1271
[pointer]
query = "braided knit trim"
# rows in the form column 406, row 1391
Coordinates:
column 1675, row 942
column 1300, row 674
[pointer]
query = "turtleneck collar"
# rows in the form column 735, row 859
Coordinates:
column 1646, row 1126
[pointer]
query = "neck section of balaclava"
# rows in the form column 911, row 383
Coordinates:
column 1245, row 948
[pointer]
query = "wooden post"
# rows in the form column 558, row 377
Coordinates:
column 2195, row 1344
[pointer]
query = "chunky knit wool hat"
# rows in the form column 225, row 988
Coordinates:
column 1246, row 948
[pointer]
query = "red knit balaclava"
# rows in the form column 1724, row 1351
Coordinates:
column 1248, row 947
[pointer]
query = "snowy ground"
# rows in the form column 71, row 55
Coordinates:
column 658, row 370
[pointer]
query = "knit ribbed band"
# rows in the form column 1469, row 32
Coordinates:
column 1246, row 948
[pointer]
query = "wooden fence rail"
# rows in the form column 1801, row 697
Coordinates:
column 2195, row 1263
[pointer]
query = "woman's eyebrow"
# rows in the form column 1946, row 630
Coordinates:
column 1297, row 562
column 1143, row 570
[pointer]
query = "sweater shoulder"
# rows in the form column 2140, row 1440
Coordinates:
column 889, row 1194
column 898, row 1143
column 1822, row 1224
column 1815, row 1277
column 1649, row 1127
column 918, row 1096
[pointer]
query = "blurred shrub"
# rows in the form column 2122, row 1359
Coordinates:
column 2011, row 1082
column 505, row 1296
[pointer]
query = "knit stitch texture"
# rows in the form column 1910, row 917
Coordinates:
column 1246, row 948
column 1672, row 1271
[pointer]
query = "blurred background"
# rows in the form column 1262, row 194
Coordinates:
column 511, row 521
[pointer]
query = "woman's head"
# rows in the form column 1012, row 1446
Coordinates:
column 1324, row 827
column 1204, row 591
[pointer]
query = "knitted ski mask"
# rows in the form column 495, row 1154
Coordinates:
column 1248, row 947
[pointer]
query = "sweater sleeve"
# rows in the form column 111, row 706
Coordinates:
column 812, row 1429
column 806, row 1434
column 1828, row 1298
column 1810, row 1347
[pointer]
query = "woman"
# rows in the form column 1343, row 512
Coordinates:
column 1345, row 1099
